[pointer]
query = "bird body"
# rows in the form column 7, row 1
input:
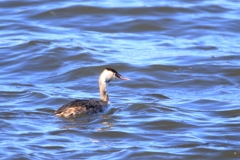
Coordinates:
column 79, row 107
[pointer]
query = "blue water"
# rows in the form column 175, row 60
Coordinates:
column 182, row 58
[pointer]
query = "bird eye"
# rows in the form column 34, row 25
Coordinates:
column 117, row 75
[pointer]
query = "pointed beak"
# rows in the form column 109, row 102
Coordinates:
column 123, row 78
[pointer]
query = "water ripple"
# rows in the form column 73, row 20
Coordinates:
column 182, row 59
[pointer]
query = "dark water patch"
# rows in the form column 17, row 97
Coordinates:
column 206, row 105
column 88, row 10
column 114, row 137
column 48, row 147
column 213, row 154
column 148, row 108
column 214, row 9
column 100, row 15
column 150, row 154
column 6, row 94
column 46, row 110
column 167, row 125
column 158, row 96
column 14, row 4
column 205, row 48
column 62, row 132
column 72, row 75
column 232, row 113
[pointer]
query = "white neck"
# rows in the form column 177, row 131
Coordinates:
column 105, row 77
column 103, row 91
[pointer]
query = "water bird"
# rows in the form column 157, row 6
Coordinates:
column 79, row 107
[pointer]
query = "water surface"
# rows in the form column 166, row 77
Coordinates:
column 182, row 58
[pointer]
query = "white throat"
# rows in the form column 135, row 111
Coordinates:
column 104, row 78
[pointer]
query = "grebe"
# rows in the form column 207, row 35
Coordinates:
column 79, row 107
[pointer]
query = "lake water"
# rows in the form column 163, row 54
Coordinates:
column 183, row 100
